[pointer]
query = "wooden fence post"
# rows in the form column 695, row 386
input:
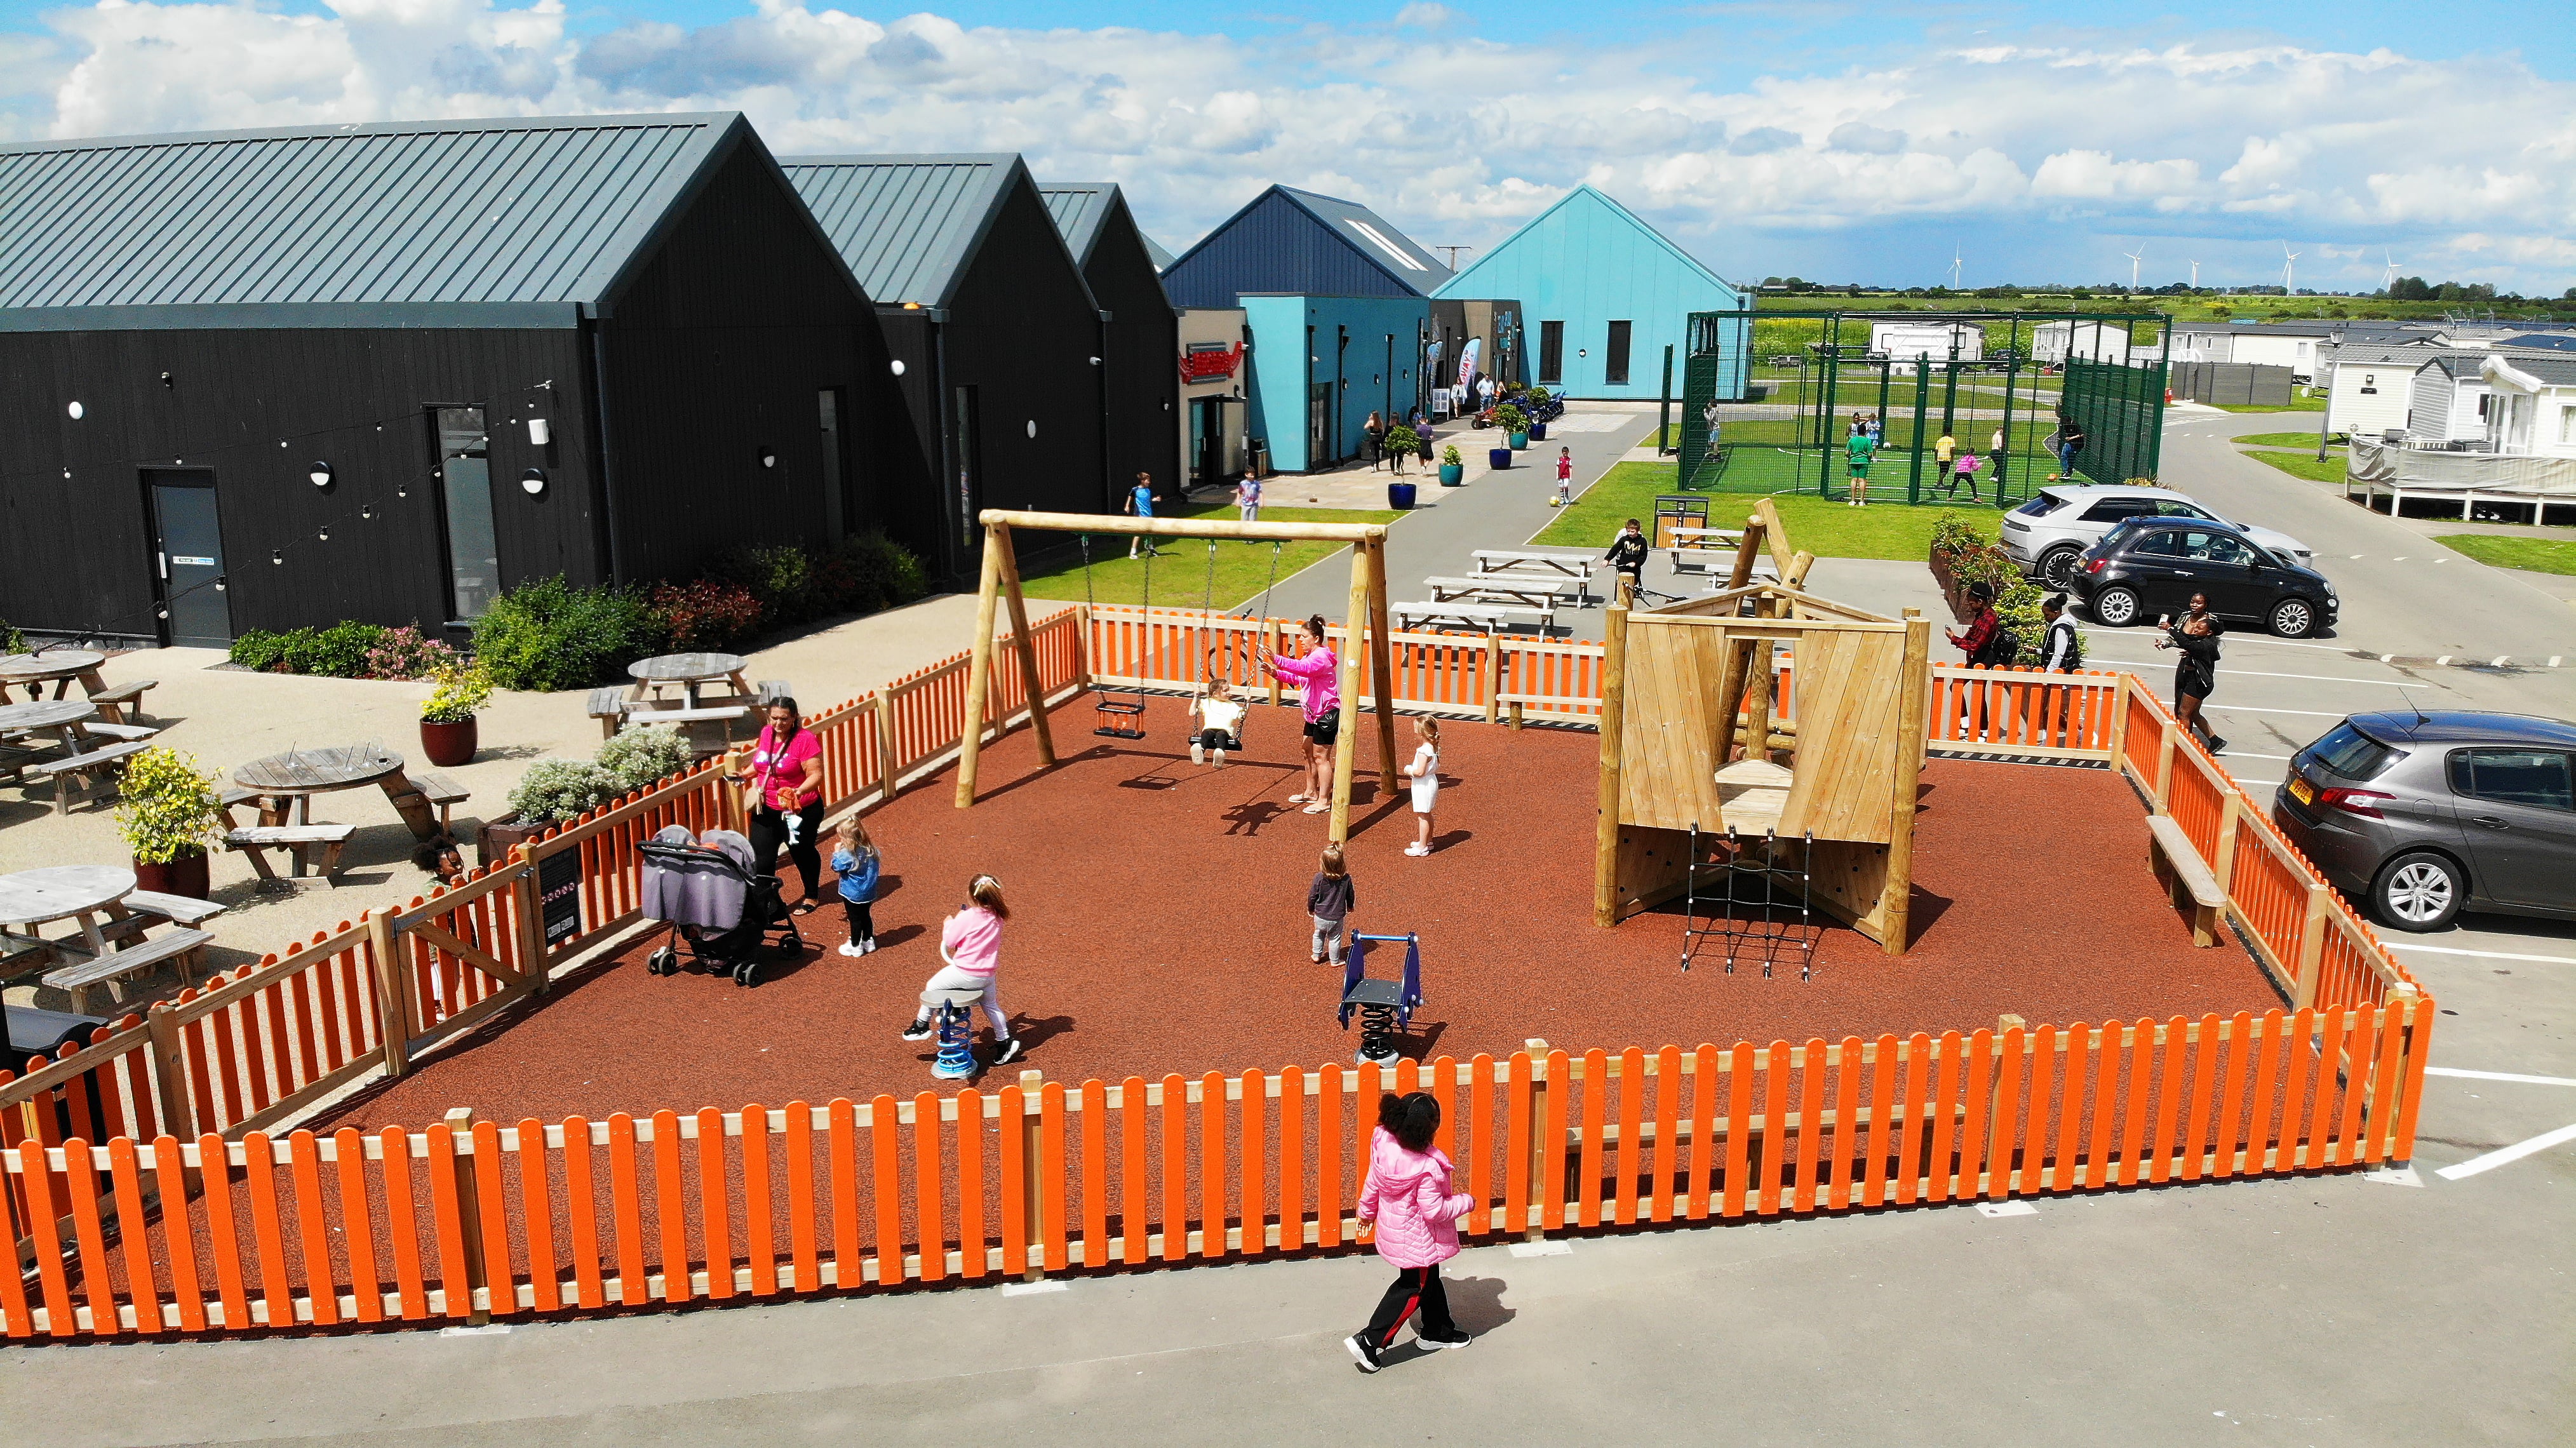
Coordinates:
column 2119, row 730
column 170, row 1074
column 2164, row 767
column 2312, row 946
column 1032, row 1169
column 1082, row 663
column 2230, row 805
column 1534, row 1228
column 529, row 903
column 1493, row 676
column 393, row 993
column 885, row 745
column 469, row 1209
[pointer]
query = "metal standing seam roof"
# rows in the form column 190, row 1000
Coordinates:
column 1374, row 237
column 421, row 223
column 907, row 225
column 1081, row 209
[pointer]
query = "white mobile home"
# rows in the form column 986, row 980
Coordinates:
column 2051, row 342
column 1904, row 342
column 2534, row 410
column 2370, row 388
column 2448, row 399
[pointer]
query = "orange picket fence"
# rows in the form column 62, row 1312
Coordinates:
column 148, row 1190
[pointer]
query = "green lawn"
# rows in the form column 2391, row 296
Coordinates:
column 2539, row 555
column 1243, row 569
column 2296, row 404
column 2304, row 465
column 2306, row 440
column 1825, row 527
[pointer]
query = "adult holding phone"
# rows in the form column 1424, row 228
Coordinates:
column 2195, row 635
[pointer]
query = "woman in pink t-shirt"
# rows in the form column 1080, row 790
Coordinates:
column 783, row 790
column 1318, row 673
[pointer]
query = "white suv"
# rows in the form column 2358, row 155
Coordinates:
column 2047, row 534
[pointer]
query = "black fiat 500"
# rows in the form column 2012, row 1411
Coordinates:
column 2151, row 566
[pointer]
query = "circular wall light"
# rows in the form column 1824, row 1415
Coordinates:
column 1033, row 427
column 897, row 365
column 320, row 473
column 76, row 410
column 533, row 481
column 768, row 458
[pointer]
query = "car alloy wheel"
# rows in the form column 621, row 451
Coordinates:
column 2057, row 570
column 2419, row 892
column 2293, row 618
column 2116, row 607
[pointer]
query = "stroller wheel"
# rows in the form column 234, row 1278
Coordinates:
column 662, row 962
column 745, row 973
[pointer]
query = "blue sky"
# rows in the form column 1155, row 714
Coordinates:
column 1832, row 141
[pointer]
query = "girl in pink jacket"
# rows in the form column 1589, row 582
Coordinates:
column 970, row 949
column 1407, row 1195
column 1319, row 674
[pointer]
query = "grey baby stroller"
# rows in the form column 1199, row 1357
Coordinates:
column 706, row 890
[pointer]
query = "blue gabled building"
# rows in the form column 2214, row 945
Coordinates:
column 1338, row 301
column 1604, row 293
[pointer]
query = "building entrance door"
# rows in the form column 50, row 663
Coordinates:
column 188, row 559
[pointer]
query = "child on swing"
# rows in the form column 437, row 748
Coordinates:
column 1217, row 717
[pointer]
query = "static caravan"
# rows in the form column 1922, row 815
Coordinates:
column 2052, row 342
column 1905, row 342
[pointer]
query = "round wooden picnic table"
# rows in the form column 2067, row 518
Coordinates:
column 60, row 665
column 686, row 670
column 61, row 718
column 299, row 774
column 66, row 892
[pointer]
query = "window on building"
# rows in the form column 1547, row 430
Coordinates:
column 1614, row 364
column 2567, row 424
column 829, row 404
column 465, row 500
column 1551, row 351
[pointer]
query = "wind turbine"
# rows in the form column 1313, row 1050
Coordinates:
column 2195, row 276
column 2388, row 278
column 1954, row 266
column 2134, row 258
column 2289, row 259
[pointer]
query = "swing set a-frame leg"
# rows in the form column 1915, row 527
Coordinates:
column 1001, row 577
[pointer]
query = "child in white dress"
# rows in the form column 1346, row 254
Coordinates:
column 1217, row 718
column 1424, row 771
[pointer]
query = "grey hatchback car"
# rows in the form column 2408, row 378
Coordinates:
column 2426, row 815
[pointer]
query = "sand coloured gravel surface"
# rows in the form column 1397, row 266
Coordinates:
column 1159, row 924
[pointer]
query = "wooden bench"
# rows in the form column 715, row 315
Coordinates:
column 124, row 732
column 1513, row 704
column 441, row 791
column 113, row 703
column 181, row 947
column 1520, row 585
column 608, row 706
column 83, row 777
column 1487, row 616
column 2179, row 869
column 770, row 691
column 314, row 848
column 725, row 712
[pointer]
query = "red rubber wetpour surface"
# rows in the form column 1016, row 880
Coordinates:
column 1159, row 924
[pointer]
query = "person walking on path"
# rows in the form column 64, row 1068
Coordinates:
column 1318, row 673
column 1330, row 897
column 1423, row 434
column 970, row 949
column 784, row 786
column 1406, row 1194
column 2196, row 635
column 1627, row 555
column 856, row 861
column 1373, row 440
column 1140, row 504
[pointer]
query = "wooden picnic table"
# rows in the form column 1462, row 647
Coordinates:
column 1536, row 590
column 688, row 671
column 1577, row 566
column 64, row 892
column 288, row 781
column 60, row 665
column 61, row 718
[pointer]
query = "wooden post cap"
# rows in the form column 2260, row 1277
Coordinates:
column 460, row 1116
column 1032, row 1080
column 2009, row 1022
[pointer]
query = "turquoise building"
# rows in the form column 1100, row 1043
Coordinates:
column 1321, row 365
column 1604, row 294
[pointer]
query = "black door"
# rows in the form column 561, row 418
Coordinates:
column 188, row 559
column 1207, row 430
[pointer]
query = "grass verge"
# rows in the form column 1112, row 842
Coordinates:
column 2296, row 404
column 2306, row 440
column 1823, row 526
column 1243, row 569
column 2534, row 555
column 2304, row 465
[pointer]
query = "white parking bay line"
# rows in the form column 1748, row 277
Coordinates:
column 2513, row 1153
column 2251, row 709
column 2500, row 1076
column 2261, row 674
column 2480, row 954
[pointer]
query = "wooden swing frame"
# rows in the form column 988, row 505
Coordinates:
column 1365, row 625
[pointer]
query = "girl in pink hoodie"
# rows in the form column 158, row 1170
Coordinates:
column 1407, row 1195
column 970, row 944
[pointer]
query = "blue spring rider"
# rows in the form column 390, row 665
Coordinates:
column 956, row 1060
column 1385, row 1007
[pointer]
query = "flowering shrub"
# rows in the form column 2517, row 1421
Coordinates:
column 707, row 614
column 407, row 653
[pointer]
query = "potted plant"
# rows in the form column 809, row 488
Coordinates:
column 170, row 816
column 1453, row 469
column 1514, row 421
column 551, row 792
column 447, row 730
column 1538, row 397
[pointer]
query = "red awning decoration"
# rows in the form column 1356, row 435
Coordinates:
column 1209, row 363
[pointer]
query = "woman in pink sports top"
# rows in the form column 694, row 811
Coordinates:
column 1318, row 673
column 784, row 789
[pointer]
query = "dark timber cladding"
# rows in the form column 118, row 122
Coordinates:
column 1143, row 360
column 987, row 312
column 399, row 303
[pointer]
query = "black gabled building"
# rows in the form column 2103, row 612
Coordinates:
column 601, row 346
column 1142, row 364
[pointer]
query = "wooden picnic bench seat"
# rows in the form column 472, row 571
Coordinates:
column 1473, row 615
column 119, row 731
column 2179, row 869
column 608, row 706
column 183, row 909
column 82, row 777
column 441, row 791
column 1547, row 583
column 770, row 691
column 181, row 947
column 112, row 703
column 314, row 847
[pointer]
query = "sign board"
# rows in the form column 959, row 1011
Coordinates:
column 559, row 895
column 1209, row 362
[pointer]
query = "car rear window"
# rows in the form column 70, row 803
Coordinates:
column 2046, row 502
column 2111, row 510
column 2354, row 755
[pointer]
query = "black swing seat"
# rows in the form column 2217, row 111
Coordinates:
column 1112, row 714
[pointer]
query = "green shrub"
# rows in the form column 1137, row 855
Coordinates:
column 262, row 650
column 872, row 572
column 560, row 789
column 550, row 635
column 705, row 615
column 1402, row 441
column 1511, row 419
column 168, row 807
column 11, row 641
column 783, row 579
column 639, row 757
column 337, row 652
